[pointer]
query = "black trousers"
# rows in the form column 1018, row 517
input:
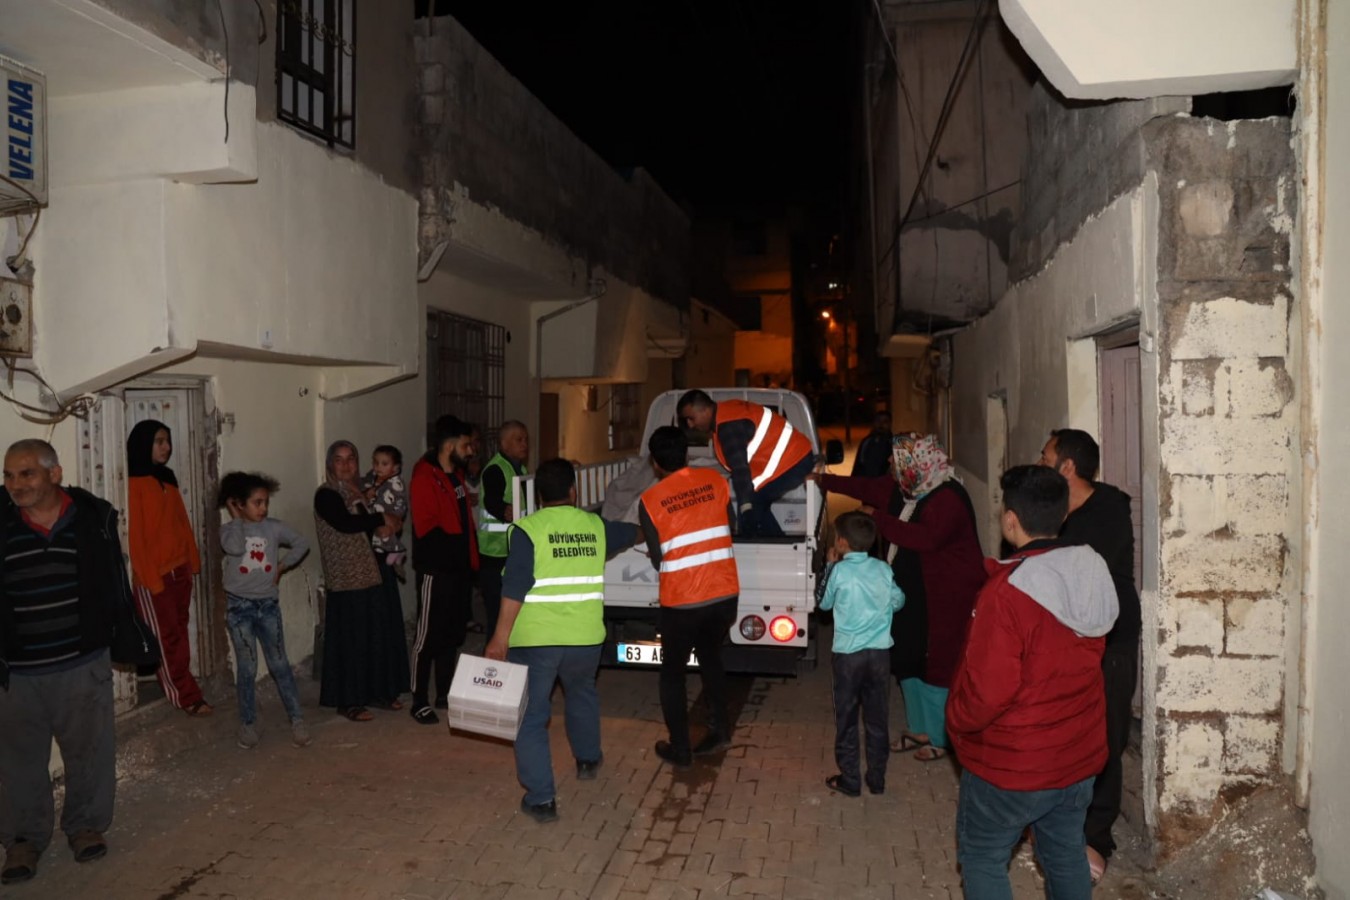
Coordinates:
column 702, row 629
column 862, row 681
column 1119, row 671
column 490, row 586
column 442, row 619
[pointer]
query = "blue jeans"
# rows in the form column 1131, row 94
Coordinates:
column 862, row 682
column 252, row 622
column 990, row 822
column 575, row 667
column 759, row 520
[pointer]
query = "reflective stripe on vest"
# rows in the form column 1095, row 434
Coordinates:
column 564, row 606
column 766, row 460
column 492, row 530
column 688, row 508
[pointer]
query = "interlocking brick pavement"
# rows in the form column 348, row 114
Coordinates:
column 394, row 809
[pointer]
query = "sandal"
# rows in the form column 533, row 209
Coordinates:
column 393, row 705
column 355, row 713
column 836, row 784
column 1096, row 866
column 908, row 742
column 929, row 753
column 199, row 710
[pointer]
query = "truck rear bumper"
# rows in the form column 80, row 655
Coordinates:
column 765, row 659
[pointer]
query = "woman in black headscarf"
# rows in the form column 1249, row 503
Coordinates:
column 164, row 559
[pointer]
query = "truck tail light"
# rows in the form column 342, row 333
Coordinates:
column 783, row 629
column 752, row 628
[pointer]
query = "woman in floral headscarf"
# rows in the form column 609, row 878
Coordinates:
column 924, row 515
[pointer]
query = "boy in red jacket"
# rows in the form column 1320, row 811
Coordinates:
column 1027, row 713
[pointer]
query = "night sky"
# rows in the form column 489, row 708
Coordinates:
column 730, row 104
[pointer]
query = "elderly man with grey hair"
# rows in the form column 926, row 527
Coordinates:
column 62, row 578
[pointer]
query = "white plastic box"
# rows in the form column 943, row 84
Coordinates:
column 487, row 697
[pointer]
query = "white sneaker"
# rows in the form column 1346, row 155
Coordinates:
column 248, row 736
column 300, row 733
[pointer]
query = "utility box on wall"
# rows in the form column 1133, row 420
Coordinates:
column 16, row 324
column 24, row 158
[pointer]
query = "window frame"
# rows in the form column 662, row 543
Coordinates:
column 333, row 86
column 624, row 430
column 466, row 373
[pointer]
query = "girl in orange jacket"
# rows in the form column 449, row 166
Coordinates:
column 164, row 558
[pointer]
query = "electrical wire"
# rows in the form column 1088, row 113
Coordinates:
column 947, row 104
column 904, row 87
column 977, row 198
column 78, row 407
column 225, row 31
column 37, row 214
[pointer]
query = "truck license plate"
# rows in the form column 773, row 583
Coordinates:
column 645, row 654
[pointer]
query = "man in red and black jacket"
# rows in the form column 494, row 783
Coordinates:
column 1027, row 713
column 445, row 556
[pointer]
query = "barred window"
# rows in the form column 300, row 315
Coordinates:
column 316, row 68
column 466, row 373
column 625, row 416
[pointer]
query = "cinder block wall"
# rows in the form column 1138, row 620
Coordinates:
column 481, row 129
column 1228, row 422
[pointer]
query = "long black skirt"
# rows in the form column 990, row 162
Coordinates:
column 365, row 650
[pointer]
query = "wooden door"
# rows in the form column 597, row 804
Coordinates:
column 1122, row 456
column 548, row 426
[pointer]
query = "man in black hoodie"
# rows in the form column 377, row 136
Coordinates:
column 61, row 582
column 1099, row 516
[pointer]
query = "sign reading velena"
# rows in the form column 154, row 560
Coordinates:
column 23, row 160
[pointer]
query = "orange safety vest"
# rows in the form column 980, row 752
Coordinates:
column 689, row 510
column 775, row 448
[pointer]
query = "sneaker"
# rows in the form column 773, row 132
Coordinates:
column 713, row 742
column 425, row 715
column 248, row 736
column 300, row 733
column 680, row 759
column 88, row 845
column 20, row 863
column 542, row 813
column 587, row 770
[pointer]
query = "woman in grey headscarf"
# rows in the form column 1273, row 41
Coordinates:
column 365, row 652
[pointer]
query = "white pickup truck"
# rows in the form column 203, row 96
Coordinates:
column 774, row 630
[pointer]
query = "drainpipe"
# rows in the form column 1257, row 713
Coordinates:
column 597, row 287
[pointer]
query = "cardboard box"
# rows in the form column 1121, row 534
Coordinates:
column 487, row 697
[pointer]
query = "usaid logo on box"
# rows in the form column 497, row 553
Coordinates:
column 488, row 678
column 487, row 696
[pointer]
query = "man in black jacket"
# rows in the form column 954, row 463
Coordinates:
column 62, row 577
column 1099, row 516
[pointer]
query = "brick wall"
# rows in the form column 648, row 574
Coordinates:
column 480, row 128
column 1227, row 420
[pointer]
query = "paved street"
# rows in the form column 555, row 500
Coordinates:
column 392, row 809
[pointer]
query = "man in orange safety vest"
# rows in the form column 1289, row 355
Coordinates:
column 686, row 519
column 766, row 456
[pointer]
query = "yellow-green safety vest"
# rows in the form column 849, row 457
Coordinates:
column 566, row 605
column 492, row 530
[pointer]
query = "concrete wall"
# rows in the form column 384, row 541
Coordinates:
column 385, row 69
column 484, row 137
column 953, row 252
column 315, row 259
column 1196, row 252
column 1324, row 102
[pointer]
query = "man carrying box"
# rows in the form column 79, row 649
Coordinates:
column 552, row 621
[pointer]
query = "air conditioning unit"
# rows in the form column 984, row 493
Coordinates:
column 23, row 161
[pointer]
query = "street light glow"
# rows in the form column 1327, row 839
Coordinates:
column 824, row 313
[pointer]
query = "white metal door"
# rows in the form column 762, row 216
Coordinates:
column 101, row 469
column 180, row 409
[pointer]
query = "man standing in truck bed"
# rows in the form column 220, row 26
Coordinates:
column 767, row 458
